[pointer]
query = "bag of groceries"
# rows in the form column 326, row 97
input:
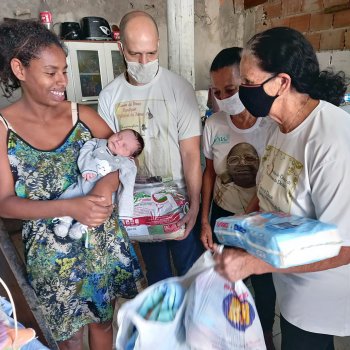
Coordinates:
column 157, row 210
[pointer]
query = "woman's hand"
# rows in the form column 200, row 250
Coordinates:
column 96, row 207
column 236, row 264
column 207, row 236
column 90, row 210
column 106, row 186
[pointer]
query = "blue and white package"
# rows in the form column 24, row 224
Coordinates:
column 282, row 240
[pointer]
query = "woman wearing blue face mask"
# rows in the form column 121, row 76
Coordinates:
column 233, row 141
column 305, row 171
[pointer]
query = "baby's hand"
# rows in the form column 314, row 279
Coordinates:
column 88, row 176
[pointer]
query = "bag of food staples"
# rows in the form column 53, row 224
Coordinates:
column 156, row 214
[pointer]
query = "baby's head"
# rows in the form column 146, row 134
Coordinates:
column 127, row 143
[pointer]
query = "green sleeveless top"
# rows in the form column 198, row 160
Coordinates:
column 74, row 284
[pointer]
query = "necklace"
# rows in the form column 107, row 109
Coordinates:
column 277, row 149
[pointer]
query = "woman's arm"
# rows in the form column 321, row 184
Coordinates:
column 108, row 184
column 253, row 205
column 87, row 210
column 235, row 264
column 209, row 176
column 96, row 124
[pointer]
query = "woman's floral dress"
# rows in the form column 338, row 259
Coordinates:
column 74, row 284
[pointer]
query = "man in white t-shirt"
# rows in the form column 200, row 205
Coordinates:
column 162, row 107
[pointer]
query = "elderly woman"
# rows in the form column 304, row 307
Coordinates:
column 310, row 151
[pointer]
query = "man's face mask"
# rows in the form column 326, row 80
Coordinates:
column 255, row 99
column 142, row 73
column 231, row 105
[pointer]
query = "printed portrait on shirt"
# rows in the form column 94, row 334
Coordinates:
column 237, row 184
column 242, row 165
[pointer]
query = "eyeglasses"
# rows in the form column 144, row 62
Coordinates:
column 244, row 159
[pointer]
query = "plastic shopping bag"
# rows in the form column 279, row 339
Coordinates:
column 147, row 334
column 221, row 315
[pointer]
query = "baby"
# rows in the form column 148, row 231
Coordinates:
column 97, row 158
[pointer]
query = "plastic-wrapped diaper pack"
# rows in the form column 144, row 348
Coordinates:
column 156, row 214
column 280, row 239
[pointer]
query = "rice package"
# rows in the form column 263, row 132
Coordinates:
column 156, row 215
column 282, row 240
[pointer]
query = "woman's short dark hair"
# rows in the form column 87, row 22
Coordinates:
column 23, row 40
column 226, row 58
column 285, row 50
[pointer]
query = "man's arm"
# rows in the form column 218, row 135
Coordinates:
column 104, row 105
column 190, row 155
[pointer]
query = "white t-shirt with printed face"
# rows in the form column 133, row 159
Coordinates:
column 164, row 112
column 235, row 153
column 307, row 172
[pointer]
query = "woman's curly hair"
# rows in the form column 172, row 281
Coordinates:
column 23, row 40
column 285, row 50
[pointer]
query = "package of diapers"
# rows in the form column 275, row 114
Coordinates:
column 282, row 240
column 156, row 214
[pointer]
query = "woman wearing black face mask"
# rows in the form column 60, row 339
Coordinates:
column 305, row 171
